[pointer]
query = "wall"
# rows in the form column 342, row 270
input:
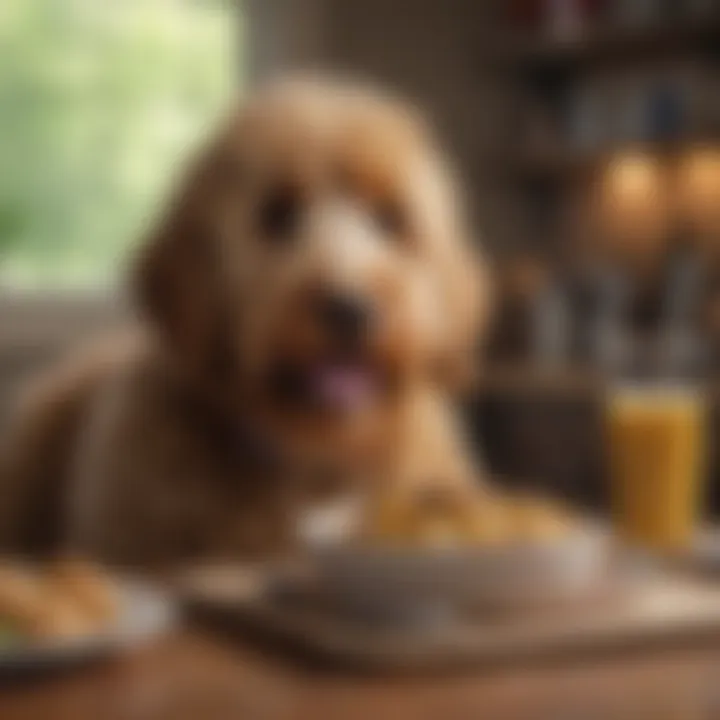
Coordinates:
column 429, row 50
column 34, row 331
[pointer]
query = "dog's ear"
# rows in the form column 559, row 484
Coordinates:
column 176, row 276
column 462, row 271
column 470, row 300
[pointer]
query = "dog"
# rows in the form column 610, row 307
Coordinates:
column 311, row 299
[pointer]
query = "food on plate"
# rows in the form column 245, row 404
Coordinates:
column 426, row 516
column 66, row 599
column 437, row 516
column 532, row 518
column 87, row 587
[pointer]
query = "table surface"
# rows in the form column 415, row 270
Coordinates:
column 201, row 677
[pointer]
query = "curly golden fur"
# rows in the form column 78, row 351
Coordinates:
column 309, row 303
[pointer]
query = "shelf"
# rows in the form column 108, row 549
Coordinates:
column 528, row 381
column 557, row 165
column 574, row 164
column 610, row 45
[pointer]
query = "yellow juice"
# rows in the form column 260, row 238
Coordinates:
column 656, row 440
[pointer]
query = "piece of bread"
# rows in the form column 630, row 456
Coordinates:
column 86, row 586
column 65, row 600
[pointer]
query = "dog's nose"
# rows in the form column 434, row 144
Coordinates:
column 346, row 317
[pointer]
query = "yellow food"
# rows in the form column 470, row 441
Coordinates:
column 426, row 516
column 535, row 520
column 85, row 587
column 448, row 517
column 64, row 600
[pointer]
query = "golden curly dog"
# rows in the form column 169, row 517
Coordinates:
column 308, row 306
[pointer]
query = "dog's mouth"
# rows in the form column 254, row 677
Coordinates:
column 334, row 385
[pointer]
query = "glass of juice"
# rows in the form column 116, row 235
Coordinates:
column 656, row 437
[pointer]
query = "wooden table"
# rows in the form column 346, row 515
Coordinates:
column 204, row 678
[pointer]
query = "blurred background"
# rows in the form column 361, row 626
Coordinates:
column 587, row 133
column 99, row 101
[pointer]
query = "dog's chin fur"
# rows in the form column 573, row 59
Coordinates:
column 286, row 402
column 313, row 188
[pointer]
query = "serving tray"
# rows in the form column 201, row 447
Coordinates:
column 662, row 609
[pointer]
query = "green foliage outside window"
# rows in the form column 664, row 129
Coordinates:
column 100, row 103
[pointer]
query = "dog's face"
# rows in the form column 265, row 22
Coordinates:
column 316, row 262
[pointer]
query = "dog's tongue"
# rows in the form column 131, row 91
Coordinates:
column 346, row 387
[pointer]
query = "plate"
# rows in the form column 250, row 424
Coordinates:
column 145, row 613
column 401, row 582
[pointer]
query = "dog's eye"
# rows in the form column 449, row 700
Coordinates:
column 279, row 213
column 390, row 217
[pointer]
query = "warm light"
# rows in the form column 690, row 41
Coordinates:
column 633, row 203
column 699, row 189
column 633, row 178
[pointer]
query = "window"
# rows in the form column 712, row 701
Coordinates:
column 100, row 102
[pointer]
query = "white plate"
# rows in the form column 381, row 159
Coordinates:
column 144, row 614
column 393, row 581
